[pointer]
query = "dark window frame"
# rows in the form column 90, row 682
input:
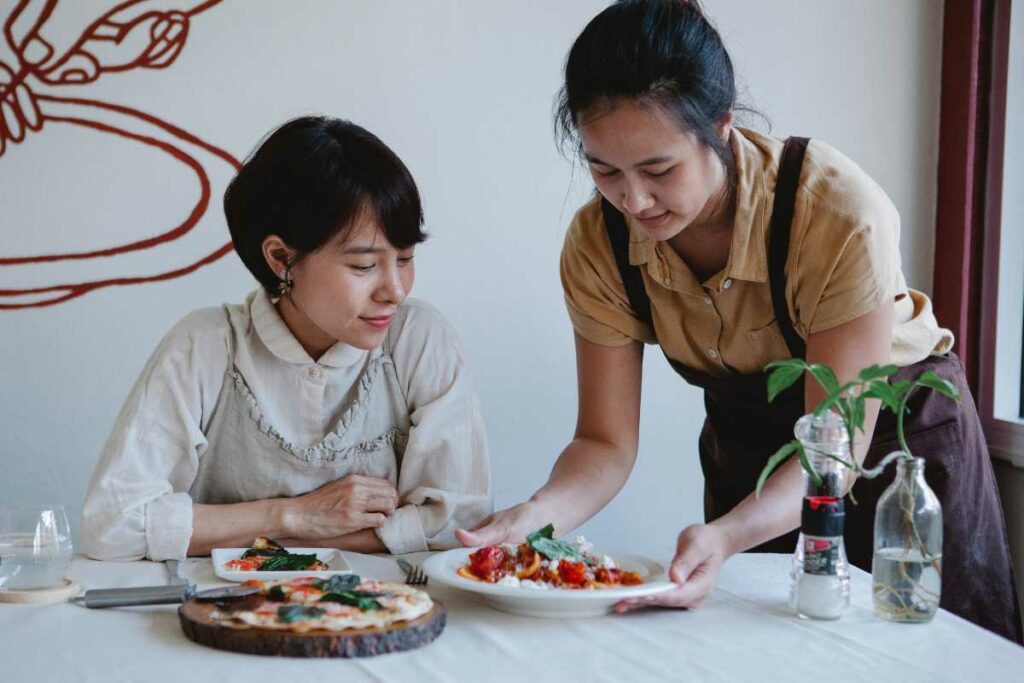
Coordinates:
column 975, row 57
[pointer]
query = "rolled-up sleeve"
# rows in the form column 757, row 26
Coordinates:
column 444, row 478
column 138, row 505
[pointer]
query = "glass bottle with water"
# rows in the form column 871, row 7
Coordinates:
column 35, row 547
column 823, row 436
column 906, row 569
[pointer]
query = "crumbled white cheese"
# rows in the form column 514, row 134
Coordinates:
column 607, row 562
column 550, row 564
column 583, row 545
column 536, row 585
column 510, row 549
column 508, row 582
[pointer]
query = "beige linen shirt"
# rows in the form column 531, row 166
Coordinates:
column 843, row 263
column 230, row 407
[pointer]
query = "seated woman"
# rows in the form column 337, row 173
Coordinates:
column 326, row 410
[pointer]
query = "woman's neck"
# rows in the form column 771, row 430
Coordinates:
column 705, row 243
column 314, row 340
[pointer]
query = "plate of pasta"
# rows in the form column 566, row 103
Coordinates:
column 548, row 577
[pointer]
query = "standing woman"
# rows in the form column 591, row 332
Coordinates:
column 730, row 249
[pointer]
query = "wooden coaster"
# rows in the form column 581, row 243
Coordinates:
column 43, row 596
column 407, row 635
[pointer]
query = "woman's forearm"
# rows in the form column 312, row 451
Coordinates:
column 585, row 478
column 759, row 519
column 236, row 524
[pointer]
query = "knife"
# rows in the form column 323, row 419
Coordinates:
column 159, row 595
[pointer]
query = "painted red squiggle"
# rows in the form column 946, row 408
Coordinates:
column 167, row 32
column 197, row 212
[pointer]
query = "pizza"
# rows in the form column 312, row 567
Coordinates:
column 544, row 562
column 266, row 555
column 339, row 603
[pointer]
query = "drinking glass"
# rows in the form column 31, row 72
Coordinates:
column 35, row 547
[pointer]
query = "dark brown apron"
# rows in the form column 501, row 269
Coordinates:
column 742, row 430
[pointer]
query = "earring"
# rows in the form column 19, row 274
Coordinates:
column 285, row 286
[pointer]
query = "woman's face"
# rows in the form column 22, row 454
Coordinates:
column 349, row 289
column 651, row 170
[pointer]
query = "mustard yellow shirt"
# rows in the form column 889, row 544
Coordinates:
column 843, row 262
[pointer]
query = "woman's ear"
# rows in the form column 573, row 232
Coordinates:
column 279, row 255
column 724, row 127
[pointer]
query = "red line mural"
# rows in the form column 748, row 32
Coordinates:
column 54, row 43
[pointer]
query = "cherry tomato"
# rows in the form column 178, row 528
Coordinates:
column 486, row 560
column 572, row 572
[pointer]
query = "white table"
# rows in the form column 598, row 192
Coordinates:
column 744, row 632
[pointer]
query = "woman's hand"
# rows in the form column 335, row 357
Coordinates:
column 341, row 507
column 700, row 552
column 506, row 526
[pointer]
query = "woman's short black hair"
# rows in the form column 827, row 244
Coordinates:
column 308, row 181
column 659, row 52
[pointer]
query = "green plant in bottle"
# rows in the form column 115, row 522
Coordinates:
column 908, row 523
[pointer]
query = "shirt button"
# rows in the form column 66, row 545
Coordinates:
column 315, row 373
column 707, row 300
column 713, row 354
column 727, row 284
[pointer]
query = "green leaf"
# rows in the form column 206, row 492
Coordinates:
column 883, row 391
column 545, row 532
column 276, row 593
column 289, row 562
column 877, row 372
column 805, row 462
column 784, row 374
column 932, row 381
column 556, row 550
column 364, row 600
column 902, row 387
column 338, row 582
column 857, row 414
column 826, row 404
column 292, row 613
column 774, row 461
column 264, row 552
column 825, row 377
column 543, row 541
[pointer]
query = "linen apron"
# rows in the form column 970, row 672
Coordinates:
column 248, row 459
column 742, row 429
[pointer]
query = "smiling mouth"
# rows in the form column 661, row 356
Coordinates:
column 654, row 220
column 379, row 321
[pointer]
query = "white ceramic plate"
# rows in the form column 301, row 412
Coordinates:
column 553, row 602
column 330, row 556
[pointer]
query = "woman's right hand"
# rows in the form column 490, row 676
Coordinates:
column 510, row 525
column 341, row 507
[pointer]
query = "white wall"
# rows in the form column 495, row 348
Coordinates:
column 463, row 92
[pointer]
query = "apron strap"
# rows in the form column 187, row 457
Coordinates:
column 786, row 185
column 632, row 279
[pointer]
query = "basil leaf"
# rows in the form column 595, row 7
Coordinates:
column 292, row 613
column 276, row 593
column 264, row 552
column 556, row 550
column 361, row 599
column 287, row 562
column 338, row 582
column 546, row 532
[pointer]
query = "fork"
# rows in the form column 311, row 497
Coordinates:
column 414, row 576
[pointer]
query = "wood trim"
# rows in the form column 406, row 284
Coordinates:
column 961, row 178
column 1005, row 437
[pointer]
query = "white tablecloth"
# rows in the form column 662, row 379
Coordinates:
column 744, row 632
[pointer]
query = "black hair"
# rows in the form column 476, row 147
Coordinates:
column 307, row 181
column 657, row 52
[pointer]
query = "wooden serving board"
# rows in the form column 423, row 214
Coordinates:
column 365, row 642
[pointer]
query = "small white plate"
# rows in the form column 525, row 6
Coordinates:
column 552, row 602
column 332, row 557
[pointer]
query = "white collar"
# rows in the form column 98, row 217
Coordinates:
column 280, row 341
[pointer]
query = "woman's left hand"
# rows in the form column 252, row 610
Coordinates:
column 700, row 552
